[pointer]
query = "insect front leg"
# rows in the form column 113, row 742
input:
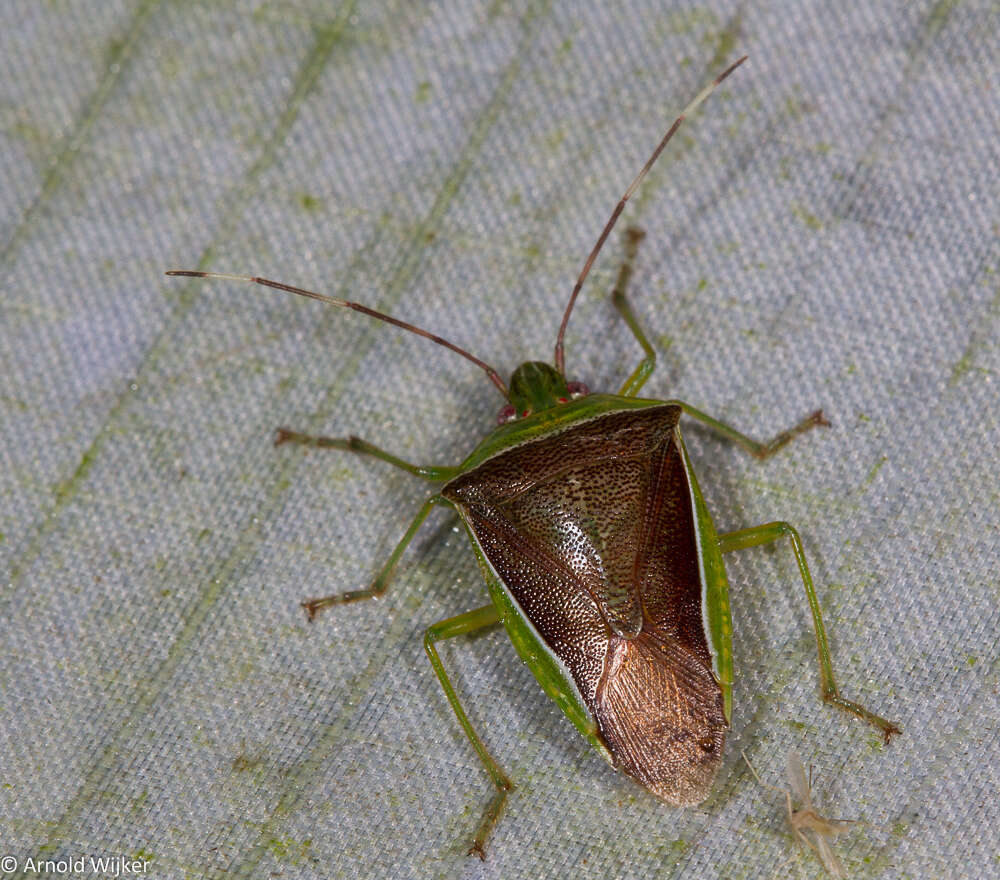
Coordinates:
column 381, row 582
column 633, row 235
column 470, row 622
column 356, row 444
column 755, row 448
column 774, row 531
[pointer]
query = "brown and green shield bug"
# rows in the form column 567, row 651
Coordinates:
column 599, row 554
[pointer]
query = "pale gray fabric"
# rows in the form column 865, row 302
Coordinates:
column 823, row 233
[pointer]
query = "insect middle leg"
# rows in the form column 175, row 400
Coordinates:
column 434, row 473
column 470, row 622
column 774, row 531
column 381, row 582
column 754, row 447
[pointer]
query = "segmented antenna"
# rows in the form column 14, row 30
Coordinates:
column 702, row 95
column 347, row 304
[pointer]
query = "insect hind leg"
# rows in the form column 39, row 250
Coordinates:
column 767, row 534
column 470, row 622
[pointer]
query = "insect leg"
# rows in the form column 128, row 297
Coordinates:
column 774, row 531
column 356, row 444
column 446, row 629
column 381, row 582
column 755, row 448
column 633, row 235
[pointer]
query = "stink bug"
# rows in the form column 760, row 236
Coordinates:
column 599, row 554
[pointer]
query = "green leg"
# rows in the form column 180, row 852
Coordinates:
column 446, row 629
column 356, row 444
column 760, row 450
column 633, row 236
column 766, row 534
column 641, row 373
column 381, row 582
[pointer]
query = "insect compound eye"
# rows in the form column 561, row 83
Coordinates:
column 577, row 389
column 507, row 414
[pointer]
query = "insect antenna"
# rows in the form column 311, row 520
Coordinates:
column 347, row 304
column 701, row 96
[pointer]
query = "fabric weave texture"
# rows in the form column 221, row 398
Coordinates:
column 822, row 233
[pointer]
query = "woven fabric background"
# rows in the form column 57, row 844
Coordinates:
column 824, row 232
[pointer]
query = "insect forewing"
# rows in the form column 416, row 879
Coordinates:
column 591, row 531
column 797, row 782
